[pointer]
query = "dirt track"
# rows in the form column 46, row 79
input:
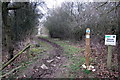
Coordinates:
column 52, row 63
column 57, row 48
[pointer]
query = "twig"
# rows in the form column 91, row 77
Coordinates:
column 10, row 72
column 101, row 5
column 116, row 7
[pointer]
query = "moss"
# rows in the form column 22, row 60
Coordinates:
column 35, row 50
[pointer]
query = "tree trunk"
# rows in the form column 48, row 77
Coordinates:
column 8, row 34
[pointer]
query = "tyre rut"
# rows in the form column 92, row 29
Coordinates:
column 53, row 70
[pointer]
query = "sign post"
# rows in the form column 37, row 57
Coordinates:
column 87, row 51
column 110, row 40
column 109, row 57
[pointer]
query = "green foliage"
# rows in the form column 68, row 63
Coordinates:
column 78, row 33
column 87, row 71
column 58, row 24
column 24, row 20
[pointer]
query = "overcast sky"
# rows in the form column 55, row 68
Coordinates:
column 53, row 3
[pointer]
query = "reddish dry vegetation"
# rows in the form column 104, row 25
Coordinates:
column 99, row 53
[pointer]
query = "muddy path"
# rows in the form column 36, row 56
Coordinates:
column 57, row 48
column 48, row 66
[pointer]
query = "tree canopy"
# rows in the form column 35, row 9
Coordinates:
column 73, row 17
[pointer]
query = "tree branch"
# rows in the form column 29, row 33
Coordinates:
column 10, row 71
column 14, row 57
column 101, row 5
column 14, row 7
column 114, row 8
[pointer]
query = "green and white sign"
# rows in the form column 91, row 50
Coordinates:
column 110, row 39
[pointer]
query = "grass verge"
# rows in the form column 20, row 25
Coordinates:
column 75, row 58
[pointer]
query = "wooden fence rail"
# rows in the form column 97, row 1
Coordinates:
column 6, row 64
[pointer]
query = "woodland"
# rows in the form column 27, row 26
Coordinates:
column 23, row 51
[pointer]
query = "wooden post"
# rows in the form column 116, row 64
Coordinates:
column 109, row 57
column 110, row 40
column 87, row 51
